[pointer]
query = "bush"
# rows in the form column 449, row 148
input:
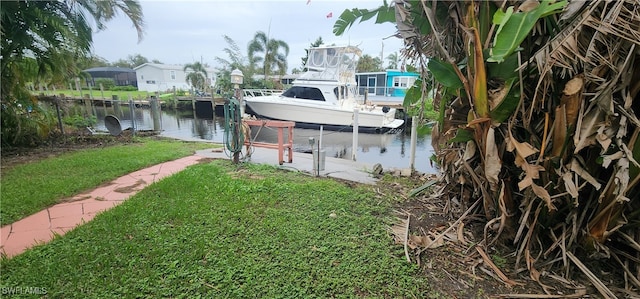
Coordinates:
column 124, row 88
column 79, row 121
column 107, row 83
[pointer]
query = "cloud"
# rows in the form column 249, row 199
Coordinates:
column 179, row 32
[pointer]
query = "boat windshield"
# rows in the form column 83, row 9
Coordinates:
column 304, row 92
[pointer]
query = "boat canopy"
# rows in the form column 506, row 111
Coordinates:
column 332, row 63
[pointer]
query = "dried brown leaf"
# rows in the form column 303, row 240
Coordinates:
column 589, row 124
column 544, row 194
column 524, row 149
column 559, row 131
column 570, row 185
column 470, row 150
column 575, row 167
column 492, row 163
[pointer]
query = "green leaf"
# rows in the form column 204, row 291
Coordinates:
column 514, row 27
column 508, row 104
column 383, row 14
column 444, row 73
column 422, row 188
column 414, row 94
column 505, row 70
column 462, row 136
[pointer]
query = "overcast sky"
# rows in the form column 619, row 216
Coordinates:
column 180, row 32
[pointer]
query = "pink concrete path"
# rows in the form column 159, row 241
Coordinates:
column 41, row 227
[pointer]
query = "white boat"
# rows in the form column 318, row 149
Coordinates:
column 326, row 94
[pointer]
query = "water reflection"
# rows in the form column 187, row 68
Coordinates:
column 391, row 150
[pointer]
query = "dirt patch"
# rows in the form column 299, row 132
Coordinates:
column 451, row 253
column 132, row 188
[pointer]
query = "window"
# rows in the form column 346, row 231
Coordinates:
column 173, row 75
column 403, row 81
column 151, row 81
column 141, row 77
column 302, row 92
column 343, row 92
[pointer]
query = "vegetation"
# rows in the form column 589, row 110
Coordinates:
column 271, row 56
column 97, row 94
column 236, row 60
column 367, row 63
column 31, row 187
column 42, row 40
column 248, row 64
column 213, row 230
column 394, row 60
column 133, row 61
column 196, row 75
column 537, row 127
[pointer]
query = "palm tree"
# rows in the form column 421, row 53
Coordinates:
column 394, row 60
column 271, row 57
column 538, row 130
column 196, row 75
column 368, row 63
column 54, row 33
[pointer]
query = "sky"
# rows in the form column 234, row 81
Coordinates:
column 181, row 32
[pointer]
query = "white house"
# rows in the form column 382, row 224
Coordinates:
column 165, row 77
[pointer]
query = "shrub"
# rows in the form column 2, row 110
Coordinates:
column 79, row 121
column 107, row 83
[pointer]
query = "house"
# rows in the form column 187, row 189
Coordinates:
column 166, row 77
column 390, row 83
column 121, row 76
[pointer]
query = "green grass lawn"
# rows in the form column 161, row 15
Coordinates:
column 31, row 187
column 218, row 231
column 97, row 94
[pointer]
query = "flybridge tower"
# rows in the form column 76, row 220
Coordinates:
column 332, row 63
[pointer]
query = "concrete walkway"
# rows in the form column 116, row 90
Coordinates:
column 43, row 226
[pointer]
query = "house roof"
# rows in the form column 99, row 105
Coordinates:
column 113, row 69
column 160, row 66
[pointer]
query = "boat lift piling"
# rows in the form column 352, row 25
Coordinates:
column 414, row 138
column 354, row 146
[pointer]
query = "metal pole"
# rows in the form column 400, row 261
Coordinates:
column 320, row 139
column 237, row 123
column 354, row 146
column 414, row 139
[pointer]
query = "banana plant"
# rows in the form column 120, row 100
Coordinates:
column 536, row 101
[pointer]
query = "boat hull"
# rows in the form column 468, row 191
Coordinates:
column 328, row 116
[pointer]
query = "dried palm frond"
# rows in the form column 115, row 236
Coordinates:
column 570, row 143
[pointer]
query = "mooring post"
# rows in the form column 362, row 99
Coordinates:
column 414, row 139
column 115, row 103
column 59, row 115
column 354, row 146
column 155, row 113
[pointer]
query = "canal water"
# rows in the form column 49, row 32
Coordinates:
column 205, row 124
